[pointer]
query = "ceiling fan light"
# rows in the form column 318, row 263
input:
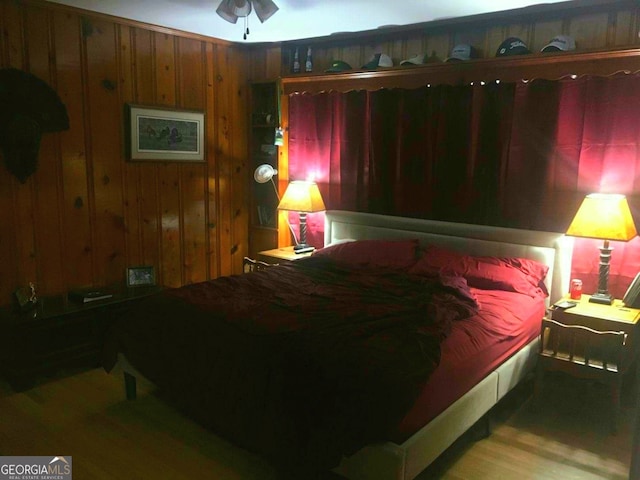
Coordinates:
column 264, row 9
column 225, row 12
column 230, row 10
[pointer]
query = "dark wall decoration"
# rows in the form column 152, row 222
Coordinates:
column 30, row 107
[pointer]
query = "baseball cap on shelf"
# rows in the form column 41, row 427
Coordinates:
column 462, row 52
column 338, row 66
column 560, row 43
column 512, row 46
column 419, row 59
column 378, row 60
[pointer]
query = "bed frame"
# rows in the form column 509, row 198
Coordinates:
column 390, row 461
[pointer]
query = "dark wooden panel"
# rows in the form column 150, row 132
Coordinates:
column 223, row 148
column 624, row 28
column 11, row 278
column 591, row 31
column 193, row 176
column 131, row 175
column 104, row 120
column 168, row 173
column 262, row 239
column 169, row 199
column 47, row 179
column 22, row 201
column 239, row 160
column 76, row 225
column 212, row 153
column 146, row 173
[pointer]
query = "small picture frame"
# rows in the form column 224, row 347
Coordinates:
column 26, row 297
column 142, row 276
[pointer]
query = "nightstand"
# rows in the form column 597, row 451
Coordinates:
column 281, row 255
column 590, row 341
column 59, row 333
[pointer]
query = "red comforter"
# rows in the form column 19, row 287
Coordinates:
column 302, row 362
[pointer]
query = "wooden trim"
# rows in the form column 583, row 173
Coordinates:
column 529, row 67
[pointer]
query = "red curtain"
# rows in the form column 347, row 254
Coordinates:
column 519, row 155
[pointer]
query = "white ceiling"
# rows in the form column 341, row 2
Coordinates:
column 295, row 19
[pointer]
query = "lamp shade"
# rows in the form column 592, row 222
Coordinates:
column 603, row 216
column 302, row 196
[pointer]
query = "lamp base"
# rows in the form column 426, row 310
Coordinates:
column 601, row 298
column 303, row 248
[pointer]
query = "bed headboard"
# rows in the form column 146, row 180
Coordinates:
column 553, row 249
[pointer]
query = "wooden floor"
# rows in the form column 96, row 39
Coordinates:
column 85, row 416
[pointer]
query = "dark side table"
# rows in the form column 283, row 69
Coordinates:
column 59, row 333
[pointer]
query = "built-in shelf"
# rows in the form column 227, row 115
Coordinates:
column 551, row 66
column 263, row 231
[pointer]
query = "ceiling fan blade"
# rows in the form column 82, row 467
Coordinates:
column 264, row 9
column 231, row 10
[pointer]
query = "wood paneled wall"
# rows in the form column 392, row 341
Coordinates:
column 88, row 213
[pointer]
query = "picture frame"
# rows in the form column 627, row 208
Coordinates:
column 26, row 297
column 142, row 276
column 164, row 134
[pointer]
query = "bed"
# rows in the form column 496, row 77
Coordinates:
column 306, row 391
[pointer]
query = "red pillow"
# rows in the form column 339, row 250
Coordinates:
column 494, row 273
column 501, row 277
column 396, row 254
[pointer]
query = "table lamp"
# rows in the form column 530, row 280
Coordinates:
column 302, row 197
column 606, row 217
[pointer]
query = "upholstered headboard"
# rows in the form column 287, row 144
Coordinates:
column 553, row 249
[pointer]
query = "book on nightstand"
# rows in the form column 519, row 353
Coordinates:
column 88, row 295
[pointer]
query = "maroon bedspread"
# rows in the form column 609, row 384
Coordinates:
column 302, row 362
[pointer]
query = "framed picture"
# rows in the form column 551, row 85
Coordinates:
column 165, row 134
column 140, row 276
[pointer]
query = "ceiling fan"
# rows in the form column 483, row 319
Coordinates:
column 231, row 10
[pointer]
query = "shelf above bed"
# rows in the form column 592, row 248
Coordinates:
column 524, row 67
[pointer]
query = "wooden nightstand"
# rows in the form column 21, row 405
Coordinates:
column 59, row 333
column 281, row 255
column 590, row 341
